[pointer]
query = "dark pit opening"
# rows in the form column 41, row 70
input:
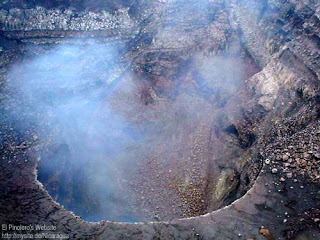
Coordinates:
column 115, row 147
column 129, row 131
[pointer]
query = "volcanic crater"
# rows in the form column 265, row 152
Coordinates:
column 192, row 120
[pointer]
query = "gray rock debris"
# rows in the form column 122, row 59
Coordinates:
column 40, row 18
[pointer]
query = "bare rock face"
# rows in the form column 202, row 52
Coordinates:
column 223, row 98
column 49, row 19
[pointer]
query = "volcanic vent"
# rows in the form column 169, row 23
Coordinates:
column 129, row 151
column 142, row 129
column 157, row 111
